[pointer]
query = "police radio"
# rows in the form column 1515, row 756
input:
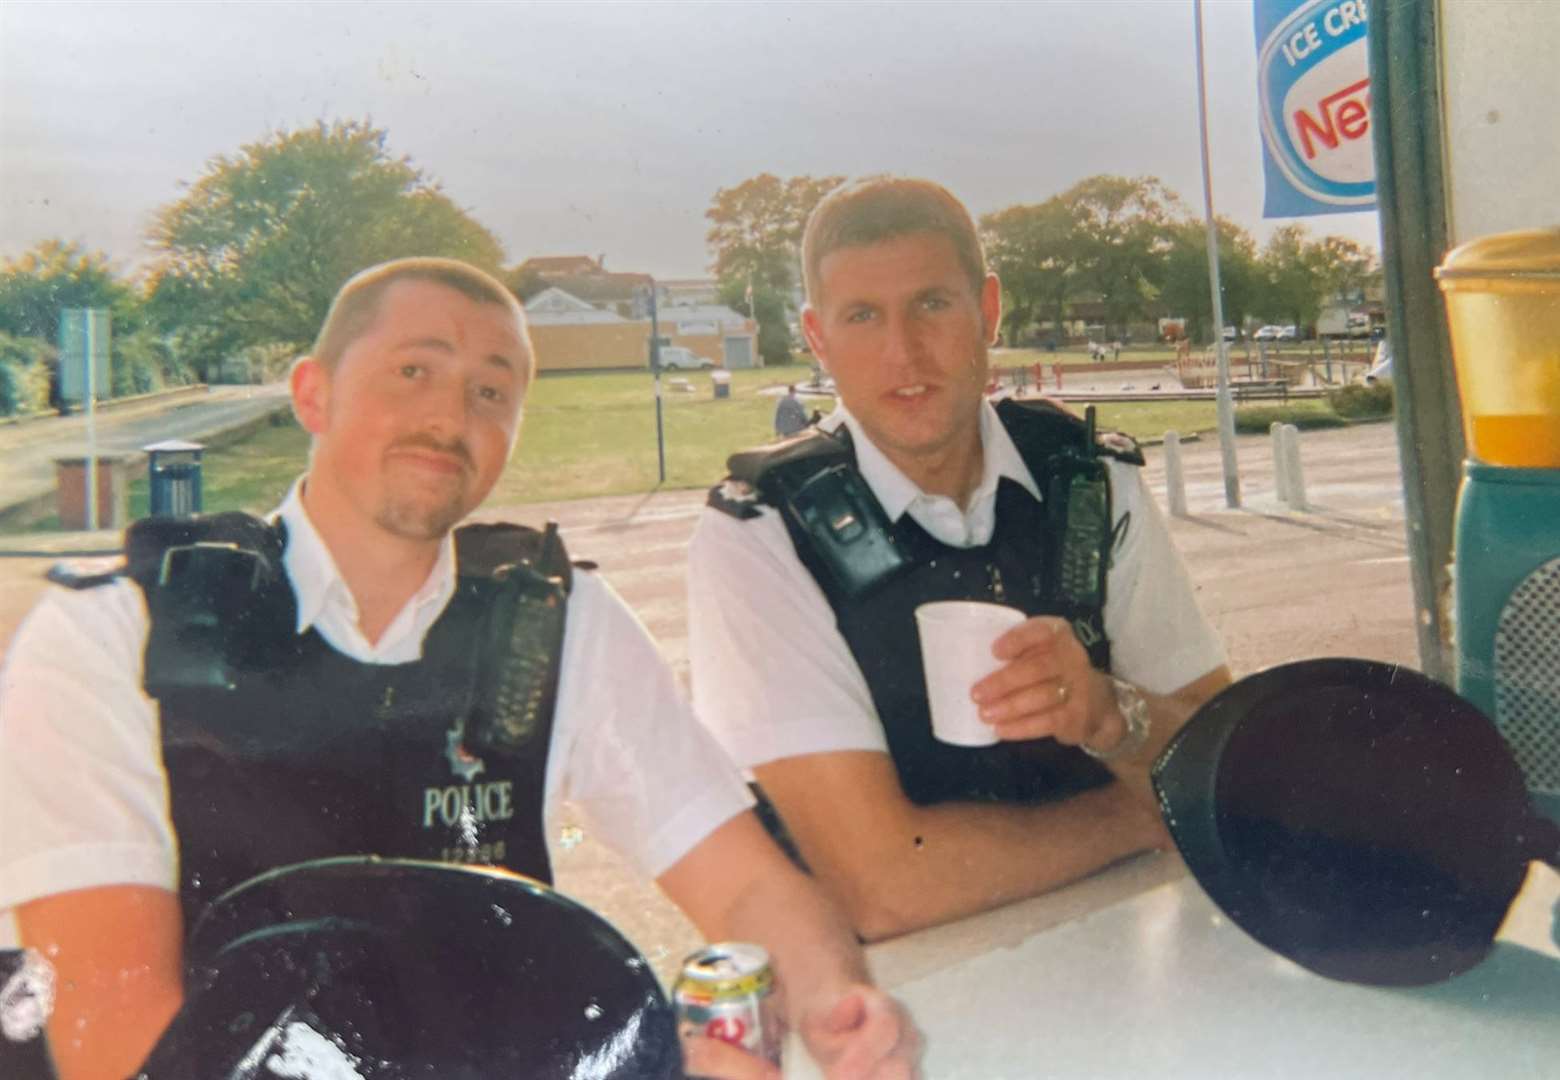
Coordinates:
column 850, row 532
column 1078, row 499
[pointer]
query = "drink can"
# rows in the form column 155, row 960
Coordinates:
column 726, row 992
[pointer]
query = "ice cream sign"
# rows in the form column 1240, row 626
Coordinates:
column 1314, row 84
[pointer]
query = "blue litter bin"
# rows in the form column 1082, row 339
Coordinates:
column 722, row 383
column 173, row 475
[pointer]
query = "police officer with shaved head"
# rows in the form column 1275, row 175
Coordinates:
column 356, row 675
column 815, row 553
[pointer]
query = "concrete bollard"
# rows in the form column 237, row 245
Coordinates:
column 1280, row 461
column 1175, row 482
column 1297, row 500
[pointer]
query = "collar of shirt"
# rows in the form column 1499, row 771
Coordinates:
column 326, row 604
column 937, row 514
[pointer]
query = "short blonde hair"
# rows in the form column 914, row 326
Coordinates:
column 879, row 208
column 356, row 305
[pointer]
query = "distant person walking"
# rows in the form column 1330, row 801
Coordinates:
column 790, row 414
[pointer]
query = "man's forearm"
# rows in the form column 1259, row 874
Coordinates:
column 735, row 884
column 896, row 866
column 963, row 858
column 814, row 949
column 812, row 946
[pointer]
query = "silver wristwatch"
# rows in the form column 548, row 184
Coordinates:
column 1134, row 710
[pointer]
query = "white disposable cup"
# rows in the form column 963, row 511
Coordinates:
column 956, row 640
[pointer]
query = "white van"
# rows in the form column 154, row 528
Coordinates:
column 676, row 357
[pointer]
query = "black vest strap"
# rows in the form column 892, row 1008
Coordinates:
column 1045, row 557
column 316, row 755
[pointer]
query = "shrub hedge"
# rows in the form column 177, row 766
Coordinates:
column 1362, row 402
column 1256, row 419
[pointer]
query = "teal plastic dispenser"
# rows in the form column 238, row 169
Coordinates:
column 1503, row 309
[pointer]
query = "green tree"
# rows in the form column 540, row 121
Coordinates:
column 55, row 275
column 254, row 252
column 755, row 237
column 143, row 361
column 24, row 374
column 1185, row 289
column 1122, row 228
column 1030, row 248
column 38, row 285
column 1294, row 287
column 1345, row 266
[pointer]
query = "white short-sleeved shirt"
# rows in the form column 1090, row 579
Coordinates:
column 774, row 678
column 83, row 796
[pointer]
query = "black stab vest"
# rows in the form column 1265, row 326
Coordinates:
column 278, row 749
column 878, row 624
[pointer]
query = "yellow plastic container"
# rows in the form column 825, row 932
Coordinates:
column 1503, row 308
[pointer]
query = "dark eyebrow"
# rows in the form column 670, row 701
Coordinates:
column 435, row 343
column 438, row 344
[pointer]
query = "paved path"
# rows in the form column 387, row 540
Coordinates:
column 1278, row 585
column 29, row 449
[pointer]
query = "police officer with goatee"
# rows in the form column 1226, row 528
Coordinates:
column 356, row 675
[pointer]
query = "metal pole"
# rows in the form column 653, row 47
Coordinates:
column 1175, row 480
column 92, row 502
column 655, row 367
column 1226, row 406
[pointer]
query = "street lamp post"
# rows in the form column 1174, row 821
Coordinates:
column 1225, row 406
column 655, row 369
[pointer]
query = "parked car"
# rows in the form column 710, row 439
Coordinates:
column 1232, row 333
column 1268, row 333
column 1381, row 370
column 677, row 357
column 1288, row 333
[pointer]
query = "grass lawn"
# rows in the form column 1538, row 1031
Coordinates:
column 587, row 435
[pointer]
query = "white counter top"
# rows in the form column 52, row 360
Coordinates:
column 1135, row 973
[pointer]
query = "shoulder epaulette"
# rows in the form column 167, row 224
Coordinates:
column 88, row 573
column 734, row 497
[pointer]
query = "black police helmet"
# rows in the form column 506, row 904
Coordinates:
column 1353, row 816
column 371, row 969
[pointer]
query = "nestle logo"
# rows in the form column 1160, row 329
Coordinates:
column 1322, row 122
column 1344, row 114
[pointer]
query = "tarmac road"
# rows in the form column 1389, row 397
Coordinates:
column 29, row 449
column 1277, row 584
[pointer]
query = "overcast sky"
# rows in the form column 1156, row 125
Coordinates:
column 606, row 128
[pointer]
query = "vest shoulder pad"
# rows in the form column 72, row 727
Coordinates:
column 148, row 541
column 753, row 474
column 483, row 550
column 1045, row 424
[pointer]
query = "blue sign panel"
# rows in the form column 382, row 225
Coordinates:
column 79, row 329
column 1313, row 80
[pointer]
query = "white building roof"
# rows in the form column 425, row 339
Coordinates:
column 713, row 315
column 553, row 306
